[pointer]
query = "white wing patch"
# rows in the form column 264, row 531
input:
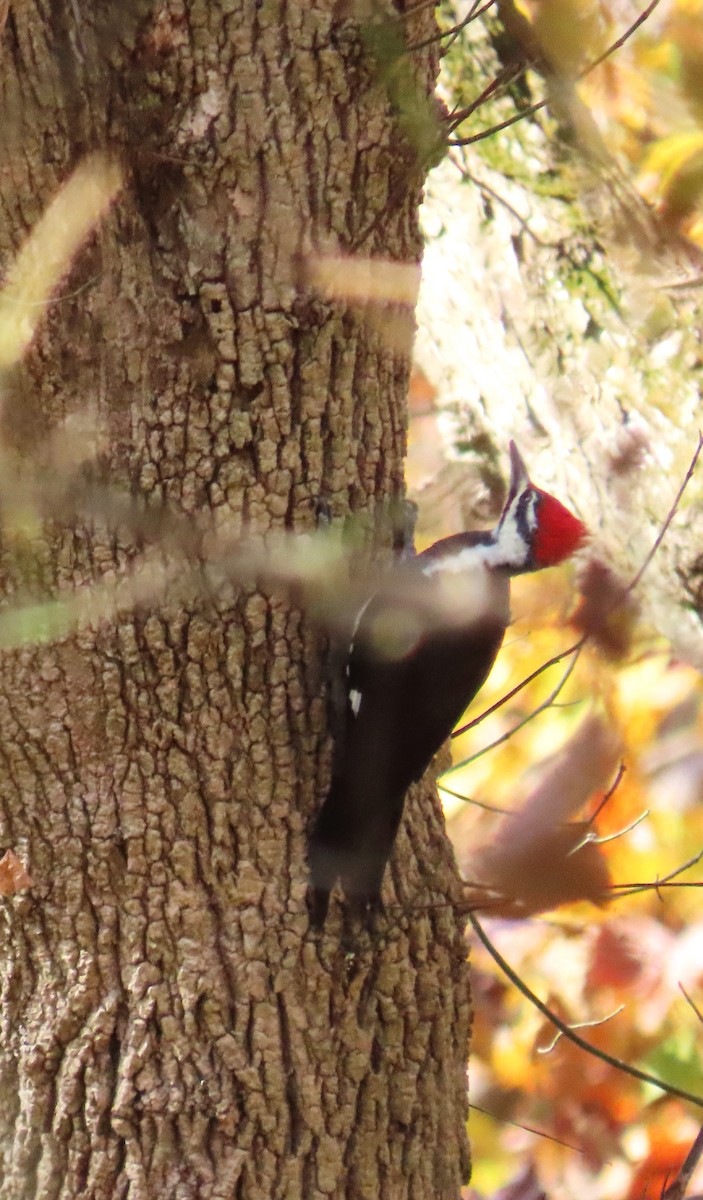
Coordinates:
column 355, row 700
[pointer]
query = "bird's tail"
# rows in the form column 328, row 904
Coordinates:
column 352, row 841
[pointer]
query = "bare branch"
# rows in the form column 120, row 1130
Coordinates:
column 633, row 889
column 677, row 1189
column 644, row 1076
column 609, row 794
column 525, row 721
column 550, row 1137
column 492, row 808
column 620, row 42
column 581, row 1025
column 670, row 515
column 551, row 662
column 534, row 108
column 504, row 77
column 694, row 1006
column 455, row 30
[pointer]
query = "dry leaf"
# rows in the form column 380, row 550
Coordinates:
column 539, row 859
column 616, row 959
column 607, row 612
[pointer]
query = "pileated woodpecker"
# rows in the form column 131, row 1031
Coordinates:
column 422, row 646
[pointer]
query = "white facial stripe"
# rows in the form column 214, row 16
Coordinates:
column 462, row 560
column 354, row 700
column 530, row 510
column 508, row 549
column 510, row 543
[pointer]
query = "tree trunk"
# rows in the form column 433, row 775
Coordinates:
column 170, row 1027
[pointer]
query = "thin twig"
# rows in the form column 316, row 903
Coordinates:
column 455, row 30
column 620, row 42
column 644, row 1076
column 486, row 133
column 505, row 76
column 551, row 662
column 474, row 14
column 492, row 808
column 671, row 514
column 528, row 112
column 633, row 889
column 677, row 1189
column 688, row 1000
column 654, row 886
column 608, row 795
column 495, row 195
column 525, row 721
column 528, row 1128
column 581, row 1025
column 591, row 839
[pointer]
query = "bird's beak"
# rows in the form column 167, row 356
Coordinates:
column 519, row 479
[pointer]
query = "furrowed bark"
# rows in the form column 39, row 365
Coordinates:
column 168, row 1025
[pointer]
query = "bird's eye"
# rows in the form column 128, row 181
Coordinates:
column 530, row 508
column 534, row 509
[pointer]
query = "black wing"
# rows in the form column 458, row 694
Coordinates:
column 409, row 679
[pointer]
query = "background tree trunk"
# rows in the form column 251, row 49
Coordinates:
column 169, row 1027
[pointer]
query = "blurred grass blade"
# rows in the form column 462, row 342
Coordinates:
column 49, row 250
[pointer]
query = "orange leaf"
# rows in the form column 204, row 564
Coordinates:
column 659, row 1169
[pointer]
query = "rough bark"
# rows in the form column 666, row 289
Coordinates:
column 168, row 1025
